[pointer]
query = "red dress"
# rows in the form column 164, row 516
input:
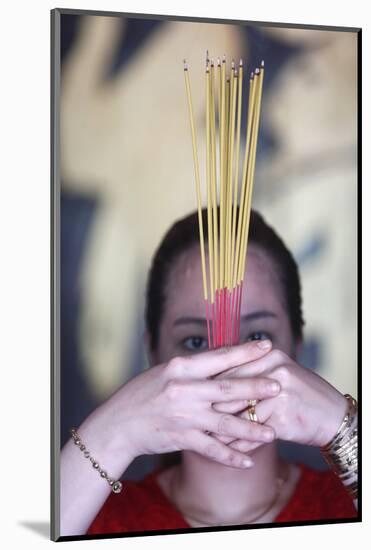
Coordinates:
column 142, row 506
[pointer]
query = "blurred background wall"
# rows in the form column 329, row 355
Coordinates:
column 127, row 175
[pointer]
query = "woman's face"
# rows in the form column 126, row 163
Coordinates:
column 183, row 328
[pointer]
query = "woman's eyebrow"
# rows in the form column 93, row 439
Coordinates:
column 189, row 321
column 201, row 321
column 258, row 315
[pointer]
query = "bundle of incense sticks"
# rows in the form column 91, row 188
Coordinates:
column 229, row 192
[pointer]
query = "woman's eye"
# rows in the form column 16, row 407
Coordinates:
column 258, row 335
column 195, row 343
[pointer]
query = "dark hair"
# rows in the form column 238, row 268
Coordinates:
column 184, row 234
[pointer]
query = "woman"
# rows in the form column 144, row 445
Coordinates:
column 194, row 400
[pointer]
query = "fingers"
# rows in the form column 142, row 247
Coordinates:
column 227, row 390
column 264, row 410
column 257, row 367
column 233, row 426
column 223, row 438
column 218, row 451
column 231, row 407
column 211, row 363
column 244, row 446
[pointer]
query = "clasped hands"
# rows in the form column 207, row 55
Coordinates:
column 306, row 409
column 196, row 403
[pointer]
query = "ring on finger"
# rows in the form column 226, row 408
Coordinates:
column 252, row 414
column 250, row 411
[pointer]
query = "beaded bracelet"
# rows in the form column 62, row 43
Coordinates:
column 341, row 453
column 116, row 486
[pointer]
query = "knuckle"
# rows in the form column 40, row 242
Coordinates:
column 176, row 366
column 282, row 411
column 282, row 373
column 223, row 424
column 243, row 446
column 286, row 402
column 211, row 450
column 257, row 385
column 285, row 398
column 279, row 356
column 256, row 431
column 249, row 428
column 225, row 386
column 232, row 459
column 173, row 367
column 173, row 390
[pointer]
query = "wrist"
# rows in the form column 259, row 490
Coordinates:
column 105, row 442
column 335, row 420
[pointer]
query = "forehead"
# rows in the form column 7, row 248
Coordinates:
column 184, row 291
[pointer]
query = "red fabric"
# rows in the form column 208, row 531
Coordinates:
column 142, row 506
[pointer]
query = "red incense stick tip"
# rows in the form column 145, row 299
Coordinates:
column 241, row 63
column 257, row 71
column 262, row 64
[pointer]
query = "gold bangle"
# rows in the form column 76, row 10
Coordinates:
column 341, row 453
column 116, row 486
column 345, row 425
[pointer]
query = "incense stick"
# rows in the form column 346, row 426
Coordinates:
column 198, row 193
column 227, row 223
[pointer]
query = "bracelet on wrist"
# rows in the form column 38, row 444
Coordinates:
column 341, row 453
column 115, row 485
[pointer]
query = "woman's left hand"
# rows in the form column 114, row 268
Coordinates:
column 308, row 410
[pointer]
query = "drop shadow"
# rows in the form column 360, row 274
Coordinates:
column 42, row 528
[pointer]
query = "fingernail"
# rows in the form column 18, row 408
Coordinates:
column 264, row 344
column 248, row 463
column 274, row 387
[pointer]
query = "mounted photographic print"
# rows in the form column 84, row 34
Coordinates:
column 205, row 370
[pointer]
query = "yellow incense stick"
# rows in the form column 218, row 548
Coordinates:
column 219, row 133
column 213, row 174
column 225, row 175
column 236, row 179
column 209, row 192
column 221, row 176
column 241, row 267
column 232, row 119
column 228, row 226
column 244, row 179
column 197, row 177
column 252, row 170
column 229, row 95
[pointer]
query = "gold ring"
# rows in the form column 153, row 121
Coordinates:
column 252, row 414
column 250, row 411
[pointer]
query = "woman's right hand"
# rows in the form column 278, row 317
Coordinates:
column 169, row 407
